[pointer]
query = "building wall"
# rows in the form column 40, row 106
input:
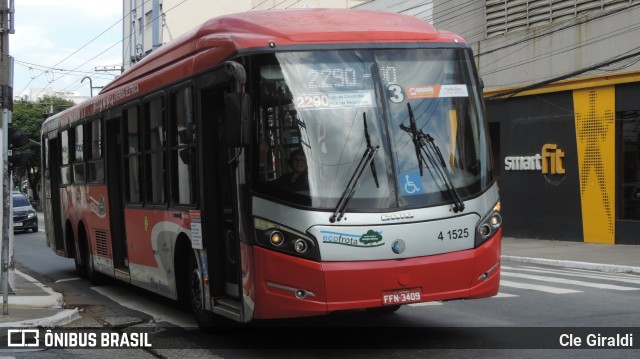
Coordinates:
column 35, row 94
column 594, row 129
column 418, row 8
column 537, row 204
column 599, row 190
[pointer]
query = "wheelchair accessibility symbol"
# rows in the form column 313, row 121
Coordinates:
column 410, row 183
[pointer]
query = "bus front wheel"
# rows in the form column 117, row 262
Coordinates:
column 204, row 318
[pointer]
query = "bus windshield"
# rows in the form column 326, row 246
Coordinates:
column 334, row 124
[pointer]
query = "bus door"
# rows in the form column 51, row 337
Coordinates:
column 52, row 196
column 218, row 195
column 116, row 206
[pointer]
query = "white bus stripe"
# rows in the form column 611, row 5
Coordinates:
column 568, row 281
column 541, row 288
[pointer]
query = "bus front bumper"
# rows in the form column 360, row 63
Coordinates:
column 287, row 286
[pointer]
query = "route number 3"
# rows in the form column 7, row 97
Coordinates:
column 395, row 93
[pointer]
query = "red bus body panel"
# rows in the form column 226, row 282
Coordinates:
column 352, row 285
column 87, row 205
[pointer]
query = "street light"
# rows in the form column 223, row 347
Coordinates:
column 90, row 84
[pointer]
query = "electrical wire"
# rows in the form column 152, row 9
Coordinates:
column 109, row 48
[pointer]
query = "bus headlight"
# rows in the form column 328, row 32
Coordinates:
column 489, row 225
column 286, row 240
column 300, row 246
column 276, row 238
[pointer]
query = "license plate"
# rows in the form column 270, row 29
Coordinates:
column 401, row 296
column 17, row 224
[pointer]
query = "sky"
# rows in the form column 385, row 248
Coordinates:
column 57, row 43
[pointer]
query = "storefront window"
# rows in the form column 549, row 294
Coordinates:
column 629, row 207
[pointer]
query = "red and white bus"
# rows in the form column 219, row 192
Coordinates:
column 283, row 164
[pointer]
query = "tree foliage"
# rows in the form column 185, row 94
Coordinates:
column 28, row 117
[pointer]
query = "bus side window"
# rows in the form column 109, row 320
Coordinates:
column 95, row 162
column 183, row 148
column 132, row 155
column 65, row 159
column 155, row 147
column 78, row 155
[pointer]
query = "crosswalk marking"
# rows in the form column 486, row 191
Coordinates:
column 560, row 276
column 582, row 275
column 607, row 274
column 542, row 288
column 567, row 281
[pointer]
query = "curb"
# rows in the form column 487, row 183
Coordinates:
column 611, row 268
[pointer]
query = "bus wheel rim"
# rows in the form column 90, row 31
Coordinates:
column 196, row 289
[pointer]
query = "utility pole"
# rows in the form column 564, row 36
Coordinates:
column 6, row 107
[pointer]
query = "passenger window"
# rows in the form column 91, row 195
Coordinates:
column 155, row 151
column 78, row 155
column 65, row 159
column 95, row 162
column 183, row 148
column 132, row 156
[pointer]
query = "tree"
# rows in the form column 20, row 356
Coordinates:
column 28, row 117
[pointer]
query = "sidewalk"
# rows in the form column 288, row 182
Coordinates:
column 602, row 257
column 34, row 304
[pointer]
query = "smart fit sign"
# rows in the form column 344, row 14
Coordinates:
column 548, row 161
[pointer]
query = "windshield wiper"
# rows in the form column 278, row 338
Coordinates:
column 425, row 147
column 368, row 138
column 350, row 190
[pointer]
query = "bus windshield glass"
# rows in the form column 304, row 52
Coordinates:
column 333, row 124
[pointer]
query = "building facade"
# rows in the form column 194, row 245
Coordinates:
column 37, row 93
column 148, row 24
column 562, row 83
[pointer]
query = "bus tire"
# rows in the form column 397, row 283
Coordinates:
column 81, row 265
column 90, row 273
column 79, row 256
column 204, row 318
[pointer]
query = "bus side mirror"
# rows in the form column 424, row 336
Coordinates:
column 237, row 119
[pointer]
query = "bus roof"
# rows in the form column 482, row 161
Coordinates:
column 218, row 38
